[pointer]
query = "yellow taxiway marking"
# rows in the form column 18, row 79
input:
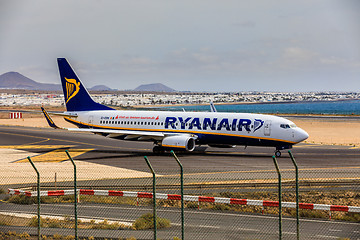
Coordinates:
column 69, row 141
column 36, row 146
column 307, row 145
column 56, row 156
column 37, row 142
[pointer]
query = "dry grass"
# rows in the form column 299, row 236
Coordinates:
column 344, row 198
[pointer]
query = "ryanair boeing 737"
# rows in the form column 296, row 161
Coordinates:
column 172, row 130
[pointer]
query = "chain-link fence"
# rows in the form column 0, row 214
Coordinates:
column 221, row 201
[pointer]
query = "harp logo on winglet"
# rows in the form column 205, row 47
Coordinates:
column 72, row 88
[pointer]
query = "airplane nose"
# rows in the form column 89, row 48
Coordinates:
column 301, row 135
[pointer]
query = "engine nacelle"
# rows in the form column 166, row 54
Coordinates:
column 222, row 145
column 180, row 142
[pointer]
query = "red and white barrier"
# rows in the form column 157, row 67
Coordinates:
column 234, row 201
column 13, row 115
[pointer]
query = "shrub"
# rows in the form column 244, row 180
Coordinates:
column 192, row 205
column 57, row 236
column 146, row 221
column 24, row 235
column 106, row 225
column 34, row 222
column 4, row 223
column 22, row 199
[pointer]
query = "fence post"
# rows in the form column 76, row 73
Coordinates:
column 154, row 195
column 38, row 197
column 75, row 194
column 297, row 195
column 182, row 195
column 280, row 209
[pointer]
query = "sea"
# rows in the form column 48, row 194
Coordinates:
column 344, row 107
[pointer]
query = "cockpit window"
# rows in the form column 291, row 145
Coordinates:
column 286, row 126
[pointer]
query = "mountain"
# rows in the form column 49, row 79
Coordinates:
column 101, row 88
column 15, row 80
column 154, row 87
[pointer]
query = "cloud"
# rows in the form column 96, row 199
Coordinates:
column 245, row 24
column 297, row 54
column 201, row 43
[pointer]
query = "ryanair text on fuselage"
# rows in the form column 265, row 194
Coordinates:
column 213, row 124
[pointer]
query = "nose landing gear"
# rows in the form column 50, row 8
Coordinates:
column 277, row 153
column 278, row 148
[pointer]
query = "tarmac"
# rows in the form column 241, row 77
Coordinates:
column 98, row 158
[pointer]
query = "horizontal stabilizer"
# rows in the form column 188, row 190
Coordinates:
column 49, row 119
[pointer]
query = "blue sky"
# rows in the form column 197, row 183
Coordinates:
column 187, row 45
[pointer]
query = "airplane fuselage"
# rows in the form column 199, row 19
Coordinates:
column 214, row 128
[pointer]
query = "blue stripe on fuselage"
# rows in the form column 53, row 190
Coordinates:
column 203, row 137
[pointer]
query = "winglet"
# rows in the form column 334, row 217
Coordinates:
column 48, row 119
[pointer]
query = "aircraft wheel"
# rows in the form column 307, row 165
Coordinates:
column 158, row 150
column 277, row 153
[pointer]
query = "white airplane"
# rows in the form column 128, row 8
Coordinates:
column 172, row 129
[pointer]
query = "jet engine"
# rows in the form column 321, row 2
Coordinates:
column 179, row 141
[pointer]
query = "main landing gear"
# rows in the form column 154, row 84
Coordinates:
column 158, row 150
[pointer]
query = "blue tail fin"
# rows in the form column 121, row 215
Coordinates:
column 76, row 96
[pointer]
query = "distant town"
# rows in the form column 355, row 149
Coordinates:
column 19, row 90
column 136, row 99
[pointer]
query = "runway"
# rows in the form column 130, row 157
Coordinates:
column 111, row 158
column 212, row 165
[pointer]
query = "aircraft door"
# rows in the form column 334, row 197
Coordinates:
column 267, row 128
column 91, row 121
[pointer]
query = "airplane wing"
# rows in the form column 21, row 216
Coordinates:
column 124, row 134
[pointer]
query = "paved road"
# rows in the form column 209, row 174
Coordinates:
column 130, row 154
column 203, row 166
column 210, row 165
column 200, row 224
